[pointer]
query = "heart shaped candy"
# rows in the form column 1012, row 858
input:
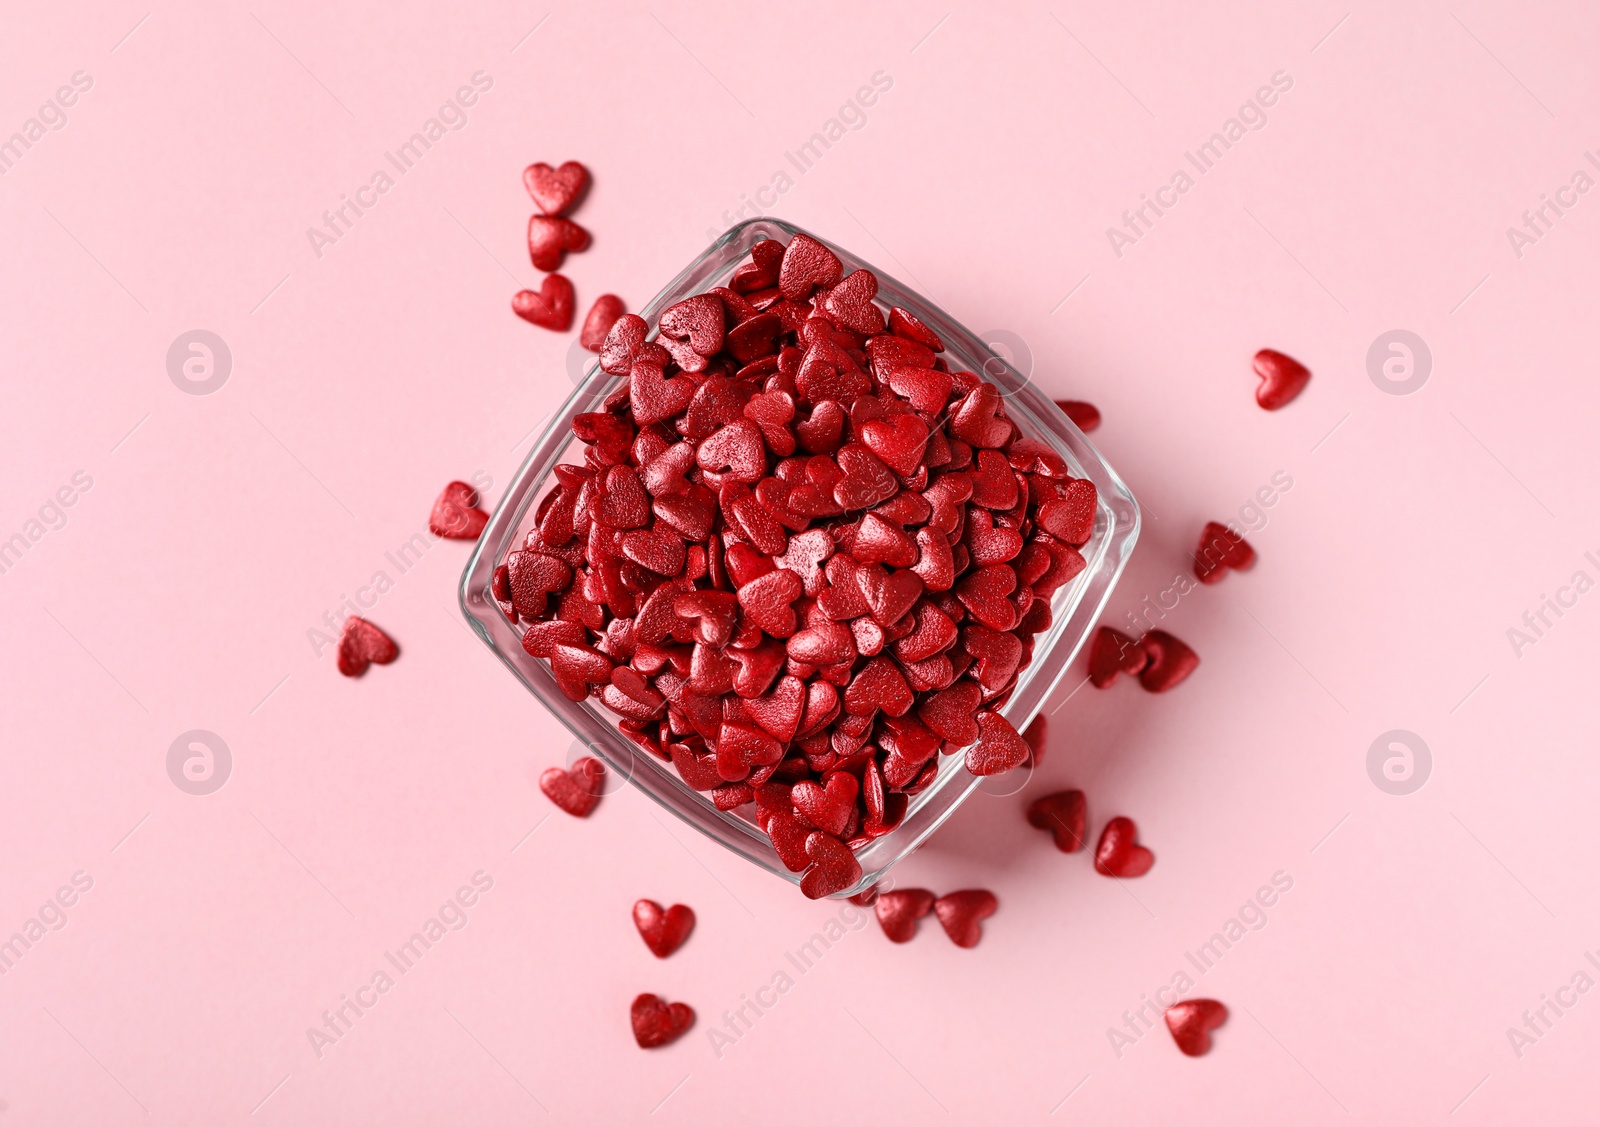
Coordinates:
column 663, row 929
column 361, row 644
column 550, row 238
column 555, row 190
column 834, row 867
column 961, row 914
column 999, row 747
column 828, row 806
column 1065, row 814
column 549, row 307
column 576, row 790
column 1221, row 548
column 656, row 1023
column 603, row 316
column 1192, row 1021
column 1282, row 378
column 456, row 515
column 899, row 911
column 1113, row 652
column 807, row 263
column 1119, row 853
column 1171, row 660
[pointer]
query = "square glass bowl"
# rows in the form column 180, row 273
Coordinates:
column 1074, row 607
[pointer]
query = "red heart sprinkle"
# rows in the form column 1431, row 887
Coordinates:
column 999, row 747
column 1192, row 1021
column 807, row 263
column 1071, row 517
column 456, row 515
column 663, row 930
column 1113, row 652
column 829, row 806
column 952, row 713
column 850, row 306
column 361, row 644
column 555, row 190
column 780, row 712
column 765, row 601
column 696, row 321
column 899, row 442
column 899, row 911
column 1085, row 416
column 834, row 867
column 1065, row 814
column 622, row 345
column 1221, row 548
column 905, row 324
column 1170, row 661
column 1119, row 853
column 550, row 238
column 655, row 1023
column 549, row 307
column 577, row 789
column 961, row 914
column 1282, row 378
column 602, row 318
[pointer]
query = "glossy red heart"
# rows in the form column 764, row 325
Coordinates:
column 984, row 593
column 962, row 913
column 827, row 806
column 899, row 442
column 656, row 398
column 780, row 712
column 697, row 322
column 549, row 307
column 1221, row 548
column 456, row 515
column 879, row 686
column 1065, row 814
column 905, row 324
column 976, row 420
column 952, row 713
column 899, row 911
column 889, row 595
column 807, row 264
column 1070, row 518
column 1113, row 652
column 551, row 237
column 602, row 318
column 577, row 789
column 850, row 305
column 834, row 868
column 997, row 654
column 622, row 345
column 662, row 929
column 766, row 601
column 1282, row 378
column 362, row 644
column 1171, row 660
column 555, row 190
column 999, row 747
column 657, row 1023
column 1192, row 1021
column 1119, row 853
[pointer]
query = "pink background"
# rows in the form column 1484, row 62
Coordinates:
column 220, row 529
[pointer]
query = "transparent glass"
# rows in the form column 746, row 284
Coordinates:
column 1075, row 606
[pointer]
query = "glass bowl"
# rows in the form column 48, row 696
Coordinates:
column 1074, row 607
